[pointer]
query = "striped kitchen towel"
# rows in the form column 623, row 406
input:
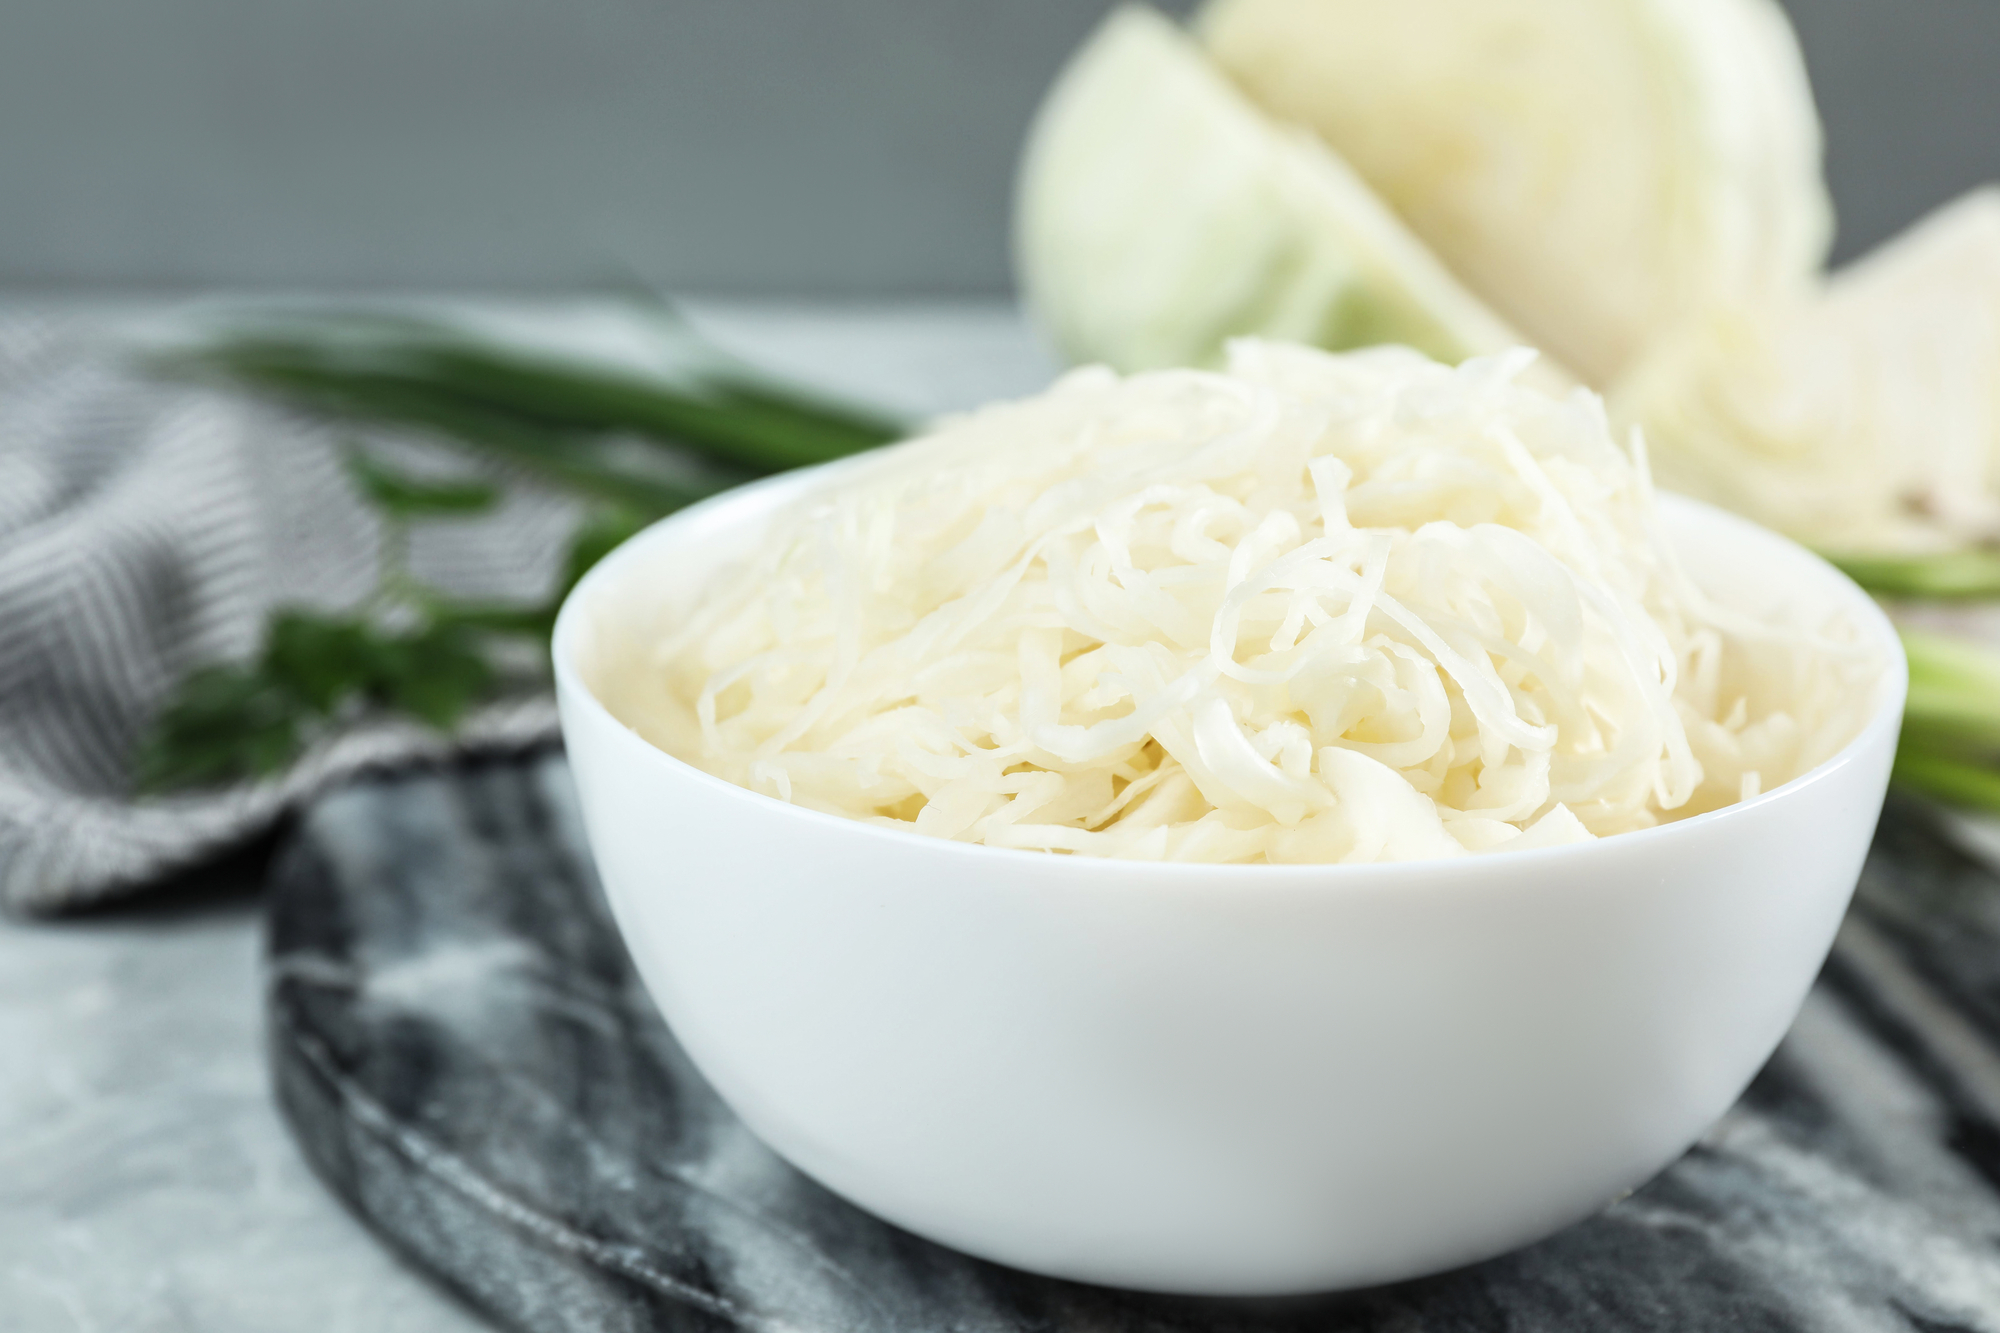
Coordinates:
column 147, row 529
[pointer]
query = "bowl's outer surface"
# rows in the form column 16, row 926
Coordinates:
column 1222, row 1079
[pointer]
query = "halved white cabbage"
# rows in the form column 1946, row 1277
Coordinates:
column 1597, row 170
column 1865, row 418
column 1159, row 214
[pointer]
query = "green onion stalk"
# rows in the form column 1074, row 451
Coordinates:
column 1950, row 744
column 632, row 446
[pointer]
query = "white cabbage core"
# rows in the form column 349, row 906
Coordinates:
column 1315, row 608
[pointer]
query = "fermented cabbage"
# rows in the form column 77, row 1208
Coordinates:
column 1315, row 608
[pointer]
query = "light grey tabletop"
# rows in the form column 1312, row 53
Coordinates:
column 146, row 1182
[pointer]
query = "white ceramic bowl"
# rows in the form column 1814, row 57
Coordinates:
column 1221, row 1079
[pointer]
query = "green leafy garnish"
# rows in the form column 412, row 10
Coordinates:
column 635, row 446
column 225, row 723
column 319, row 660
column 435, row 674
column 233, row 722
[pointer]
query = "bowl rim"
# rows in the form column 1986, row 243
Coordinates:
column 1891, row 692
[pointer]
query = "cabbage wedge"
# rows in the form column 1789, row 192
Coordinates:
column 1597, row 170
column 1159, row 214
column 1864, row 419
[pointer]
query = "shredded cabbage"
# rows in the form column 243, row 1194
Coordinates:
column 1314, row 608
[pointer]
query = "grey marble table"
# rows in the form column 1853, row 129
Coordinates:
column 146, row 1183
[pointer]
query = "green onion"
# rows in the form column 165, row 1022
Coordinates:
column 1954, row 693
column 1946, row 575
column 635, row 446
column 1969, row 783
column 534, row 406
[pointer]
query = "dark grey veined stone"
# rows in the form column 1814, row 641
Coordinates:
column 467, row 1058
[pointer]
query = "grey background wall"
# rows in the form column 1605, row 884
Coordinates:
column 823, row 147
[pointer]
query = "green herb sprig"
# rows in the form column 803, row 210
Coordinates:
column 635, row 447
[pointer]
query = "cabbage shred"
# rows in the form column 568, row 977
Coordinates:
column 1313, row 608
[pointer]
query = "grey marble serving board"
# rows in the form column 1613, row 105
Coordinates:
column 466, row 1057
